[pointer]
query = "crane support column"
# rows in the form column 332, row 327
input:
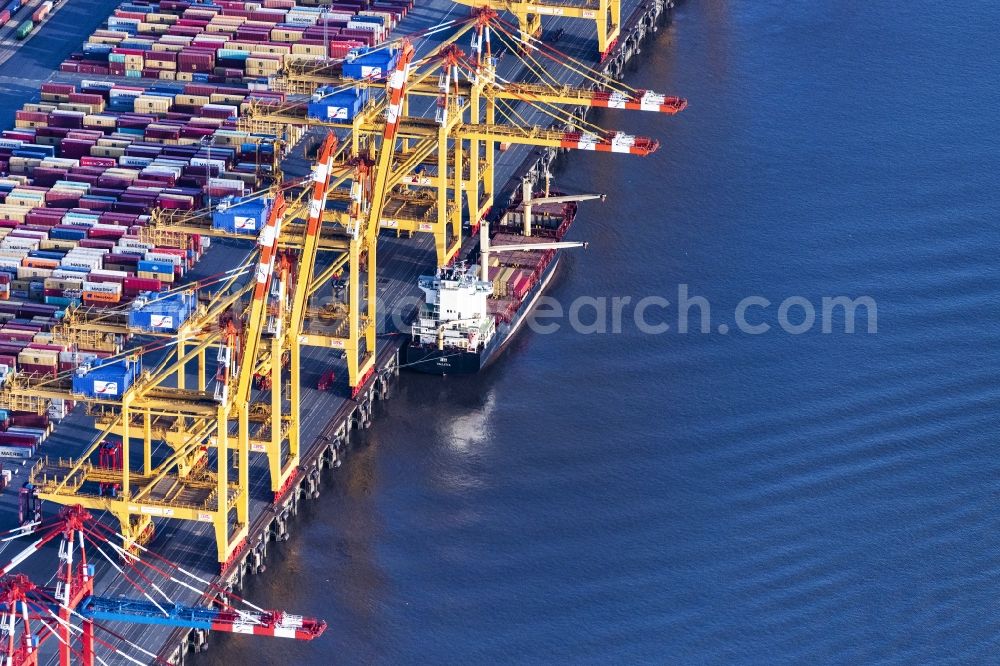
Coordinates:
column 201, row 370
column 243, row 461
column 147, row 442
column 181, row 351
column 354, row 311
column 456, row 213
column 221, row 518
column 441, row 231
column 126, row 448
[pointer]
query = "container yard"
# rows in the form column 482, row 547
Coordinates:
column 190, row 214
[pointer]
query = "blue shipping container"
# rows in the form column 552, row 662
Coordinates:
column 240, row 217
column 67, row 234
column 156, row 312
column 108, row 380
column 155, row 266
column 362, row 64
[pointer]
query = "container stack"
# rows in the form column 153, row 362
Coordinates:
column 230, row 41
column 134, row 149
column 22, row 433
column 514, row 273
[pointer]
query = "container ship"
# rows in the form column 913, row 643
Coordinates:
column 470, row 312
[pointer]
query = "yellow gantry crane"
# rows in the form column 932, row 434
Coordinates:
column 412, row 173
column 252, row 329
column 446, row 157
column 606, row 15
column 185, row 484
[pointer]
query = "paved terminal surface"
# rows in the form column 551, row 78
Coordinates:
column 400, row 262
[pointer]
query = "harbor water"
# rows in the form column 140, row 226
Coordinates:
column 789, row 496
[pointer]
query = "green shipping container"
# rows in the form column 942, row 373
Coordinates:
column 25, row 29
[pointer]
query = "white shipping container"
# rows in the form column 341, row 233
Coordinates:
column 62, row 274
column 17, row 451
column 99, row 251
column 25, row 233
column 134, row 161
column 107, row 226
column 203, row 162
column 57, row 409
column 118, row 92
column 76, row 358
column 114, row 274
column 231, row 183
column 163, row 256
column 103, row 287
column 20, row 243
column 133, row 244
column 366, row 26
column 90, row 263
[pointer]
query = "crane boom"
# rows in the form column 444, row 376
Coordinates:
column 268, row 623
column 268, row 244
column 307, row 260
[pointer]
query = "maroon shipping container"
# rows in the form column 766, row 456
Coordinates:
column 106, row 278
column 122, row 259
column 58, row 132
column 40, row 345
column 96, row 244
column 75, row 149
column 58, row 88
column 118, row 218
column 35, row 369
column 63, row 199
column 104, row 232
column 49, row 219
column 85, row 98
column 12, row 439
column 134, row 285
column 23, row 420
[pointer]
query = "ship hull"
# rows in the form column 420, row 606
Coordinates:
column 434, row 361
